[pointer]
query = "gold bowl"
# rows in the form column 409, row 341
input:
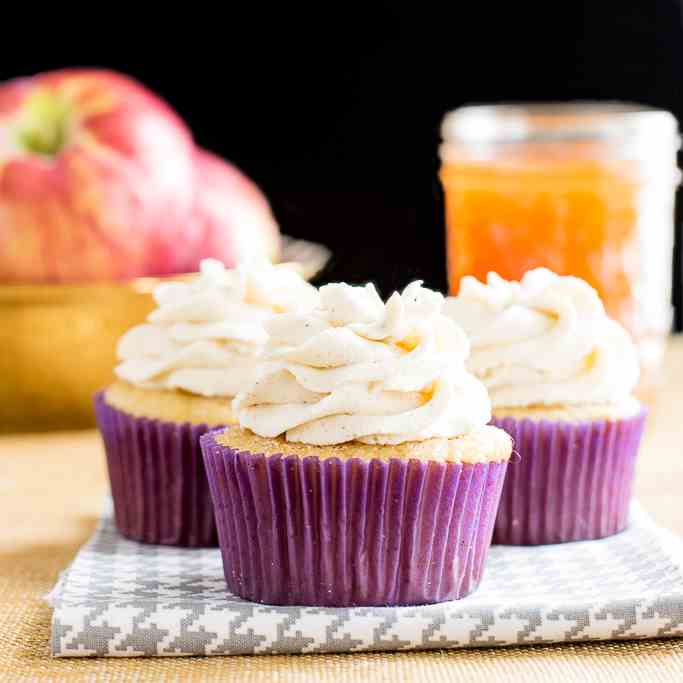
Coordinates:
column 58, row 343
column 58, row 348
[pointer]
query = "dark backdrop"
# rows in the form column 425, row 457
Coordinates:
column 334, row 110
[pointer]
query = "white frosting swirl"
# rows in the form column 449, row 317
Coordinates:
column 357, row 369
column 544, row 341
column 205, row 335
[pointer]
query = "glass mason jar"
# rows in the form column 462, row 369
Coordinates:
column 584, row 188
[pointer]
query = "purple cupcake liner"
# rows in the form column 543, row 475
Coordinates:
column 330, row 532
column 572, row 482
column 158, row 481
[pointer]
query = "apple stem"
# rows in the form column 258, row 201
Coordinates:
column 44, row 125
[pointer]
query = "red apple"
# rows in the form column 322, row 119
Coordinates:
column 96, row 179
column 231, row 215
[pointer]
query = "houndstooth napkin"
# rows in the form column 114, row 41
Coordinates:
column 121, row 598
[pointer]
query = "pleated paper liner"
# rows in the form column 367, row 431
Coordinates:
column 158, row 482
column 572, row 482
column 331, row 532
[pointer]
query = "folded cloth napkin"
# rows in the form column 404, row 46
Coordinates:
column 121, row 598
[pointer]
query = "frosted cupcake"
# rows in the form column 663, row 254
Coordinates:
column 560, row 375
column 362, row 471
column 176, row 377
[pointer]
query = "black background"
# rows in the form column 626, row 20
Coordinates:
column 334, row 110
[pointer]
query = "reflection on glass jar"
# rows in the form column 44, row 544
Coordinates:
column 585, row 189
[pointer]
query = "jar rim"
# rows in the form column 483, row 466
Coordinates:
column 580, row 120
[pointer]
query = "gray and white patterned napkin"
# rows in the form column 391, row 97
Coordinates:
column 125, row 599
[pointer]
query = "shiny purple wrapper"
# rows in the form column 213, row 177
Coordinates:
column 331, row 532
column 572, row 482
column 158, row 482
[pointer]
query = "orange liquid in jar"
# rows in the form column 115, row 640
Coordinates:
column 579, row 219
column 575, row 215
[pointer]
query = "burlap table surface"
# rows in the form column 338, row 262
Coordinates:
column 51, row 491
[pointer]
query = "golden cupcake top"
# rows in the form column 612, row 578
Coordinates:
column 486, row 444
column 573, row 412
column 168, row 406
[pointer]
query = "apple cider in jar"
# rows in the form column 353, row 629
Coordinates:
column 585, row 189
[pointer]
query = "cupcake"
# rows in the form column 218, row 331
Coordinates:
column 561, row 375
column 177, row 375
column 362, row 470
